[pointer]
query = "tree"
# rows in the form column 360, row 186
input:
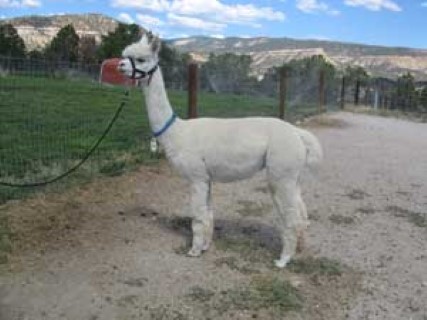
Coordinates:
column 227, row 72
column 64, row 46
column 175, row 66
column 359, row 77
column 87, row 49
column 11, row 44
column 304, row 79
column 310, row 66
column 113, row 44
column 35, row 55
column 405, row 92
column 354, row 73
column 423, row 99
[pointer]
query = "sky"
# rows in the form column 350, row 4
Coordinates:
column 381, row 22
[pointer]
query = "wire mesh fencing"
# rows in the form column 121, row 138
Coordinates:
column 383, row 95
column 226, row 94
column 50, row 120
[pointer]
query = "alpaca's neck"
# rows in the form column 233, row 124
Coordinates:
column 157, row 102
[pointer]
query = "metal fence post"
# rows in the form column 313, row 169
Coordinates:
column 283, row 92
column 367, row 95
column 192, row 90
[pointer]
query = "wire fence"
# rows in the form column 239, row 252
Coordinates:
column 50, row 119
column 223, row 94
column 383, row 94
column 52, row 113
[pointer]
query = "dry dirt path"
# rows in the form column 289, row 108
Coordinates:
column 114, row 249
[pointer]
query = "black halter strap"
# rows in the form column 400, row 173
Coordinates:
column 141, row 74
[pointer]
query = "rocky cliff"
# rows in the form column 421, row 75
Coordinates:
column 267, row 52
column 37, row 31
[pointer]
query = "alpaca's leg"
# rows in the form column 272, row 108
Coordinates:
column 302, row 210
column 209, row 226
column 285, row 198
column 200, row 213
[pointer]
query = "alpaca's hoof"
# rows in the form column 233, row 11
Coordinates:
column 206, row 246
column 282, row 262
column 194, row 252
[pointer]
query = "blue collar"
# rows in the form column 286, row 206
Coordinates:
column 167, row 125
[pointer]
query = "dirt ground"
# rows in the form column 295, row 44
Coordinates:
column 114, row 249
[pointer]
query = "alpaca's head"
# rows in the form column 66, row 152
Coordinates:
column 140, row 59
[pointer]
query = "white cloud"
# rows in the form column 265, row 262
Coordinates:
column 374, row 5
column 31, row 3
column 314, row 6
column 195, row 23
column 149, row 21
column 125, row 17
column 213, row 13
column 153, row 5
column 56, row 14
column 19, row 3
column 238, row 13
column 317, row 37
column 178, row 36
column 217, row 36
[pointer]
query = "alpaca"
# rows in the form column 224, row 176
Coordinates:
column 207, row 150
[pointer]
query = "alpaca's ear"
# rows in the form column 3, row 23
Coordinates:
column 146, row 36
column 156, row 43
column 150, row 36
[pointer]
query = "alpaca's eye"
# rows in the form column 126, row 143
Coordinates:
column 140, row 60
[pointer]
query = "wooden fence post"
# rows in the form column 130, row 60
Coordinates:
column 357, row 93
column 320, row 106
column 283, row 92
column 192, row 90
column 342, row 102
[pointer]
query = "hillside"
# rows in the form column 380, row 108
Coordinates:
column 268, row 52
column 37, row 31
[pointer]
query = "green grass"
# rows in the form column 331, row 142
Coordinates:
column 417, row 218
column 200, row 294
column 343, row 220
column 5, row 245
column 254, row 209
column 48, row 125
column 264, row 292
column 316, row 266
column 233, row 263
column 247, row 248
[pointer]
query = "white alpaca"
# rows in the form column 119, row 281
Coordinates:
column 207, row 149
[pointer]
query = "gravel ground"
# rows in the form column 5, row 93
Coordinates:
column 114, row 249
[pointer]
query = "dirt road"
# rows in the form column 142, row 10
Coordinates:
column 114, row 249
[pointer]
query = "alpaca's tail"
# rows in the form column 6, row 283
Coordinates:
column 314, row 149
